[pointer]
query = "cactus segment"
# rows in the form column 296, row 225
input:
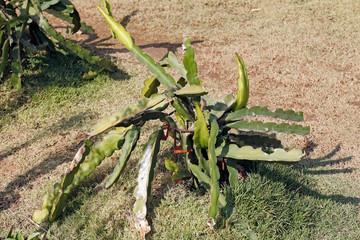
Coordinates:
column 124, row 37
column 203, row 163
column 171, row 165
column 16, row 68
column 142, row 117
column 55, row 201
column 131, row 139
column 229, row 99
column 217, row 109
column 201, row 134
column 160, row 106
column 255, row 140
column 150, row 87
column 129, row 111
column 60, row 8
column 243, row 86
column 111, row 142
column 173, row 62
column 53, row 197
column 264, row 111
column 68, row 45
column 163, row 77
column 180, row 119
column 146, row 173
column 108, row 8
column 191, row 91
column 182, row 110
column 269, row 126
column 233, row 172
column 181, row 174
column 256, row 154
column 214, row 171
column 189, row 63
column 84, row 27
column 4, row 56
column 205, row 180
column 117, row 29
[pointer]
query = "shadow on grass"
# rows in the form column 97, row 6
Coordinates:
column 65, row 153
column 290, row 182
column 57, row 128
column 309, row 163
column 51, row 71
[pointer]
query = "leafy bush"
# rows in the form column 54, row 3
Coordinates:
column 24, row 31
column 214, row 135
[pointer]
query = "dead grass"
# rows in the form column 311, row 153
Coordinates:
column 302, row 55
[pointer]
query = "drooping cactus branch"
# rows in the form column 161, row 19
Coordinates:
column 207, row 134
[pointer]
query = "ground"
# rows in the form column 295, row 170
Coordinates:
column 300, row 55
column 304, row 57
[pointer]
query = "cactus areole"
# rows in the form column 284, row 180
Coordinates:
column 203, row 130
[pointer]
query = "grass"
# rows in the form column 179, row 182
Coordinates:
column 299, row 55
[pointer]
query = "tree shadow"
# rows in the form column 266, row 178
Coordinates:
column 94, row 42
column 101, row 46
column 42, row 72
column 64, row 154
column 60, row 127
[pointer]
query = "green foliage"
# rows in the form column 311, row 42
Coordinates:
column 243, row 85
column 207, row 137
column 24, row 31
column 34, row 236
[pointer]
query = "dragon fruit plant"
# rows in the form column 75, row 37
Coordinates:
column 205, row 130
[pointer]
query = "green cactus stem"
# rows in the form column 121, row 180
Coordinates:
column 264, row 111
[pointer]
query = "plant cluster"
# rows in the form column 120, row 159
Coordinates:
column 24, row 31
column 213, row 135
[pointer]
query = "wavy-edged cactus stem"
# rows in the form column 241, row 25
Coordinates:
column 265, row 112
column 214, row 173
column 55, row 201
column 269, row 126
column 279, row 155
column 58, row 188
column 130, row 111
